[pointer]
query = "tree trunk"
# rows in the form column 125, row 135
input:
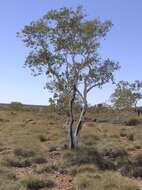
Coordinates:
column 71, row 103
column 76, row 140
column 71, row 138
column 78, row 127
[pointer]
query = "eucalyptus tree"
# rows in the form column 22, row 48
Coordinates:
column 126, row 95
column 136, row 88
column 64, row 47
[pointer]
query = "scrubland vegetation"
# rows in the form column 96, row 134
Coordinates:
column 34, row 154
column 68, row 145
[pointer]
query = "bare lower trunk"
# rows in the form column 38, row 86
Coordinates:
column 78, row 127
column 71, row 103
column 76, row 141
column 71, row 138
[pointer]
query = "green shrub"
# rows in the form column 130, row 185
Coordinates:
column 132, row 122
column 43, row 137
column 10, row 185
column 18, row 162
column 16, row 106
column 81, row 156
column 134, row 168
column 130, row 137
column 8, row 179
column 90, row 168
column 52, row 148
column 105, row 181
column 46, row 168
column 123, row 132
column 39, row 160
column 112, row 155
column 105, row 156
column 24, row 152
column 35, row 183
column 6, row 173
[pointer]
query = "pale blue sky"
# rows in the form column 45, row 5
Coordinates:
column 123, row 44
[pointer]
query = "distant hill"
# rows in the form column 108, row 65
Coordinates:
column 5, row 105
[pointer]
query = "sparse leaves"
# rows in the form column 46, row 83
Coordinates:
column 126, row 94
column 64, row 46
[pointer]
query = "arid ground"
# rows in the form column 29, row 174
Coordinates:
column 34, row 154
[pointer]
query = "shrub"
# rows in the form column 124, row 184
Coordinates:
column 46, row 168
column 138, row 160
column 134, row 168
column 123, row 132
column 112, row 155
column 90, row 168
column 16, row 106
column 52, row 148
column 132, row 122
column 24, row 152
column 18, row 162
column 39, row 160
column 10, row 185
column 130, row 137
column 81, row 156
column 90, row 139
column 105, row 181
column 105, row 157
column 7, row 173
column 35, row 183
column 43, row 137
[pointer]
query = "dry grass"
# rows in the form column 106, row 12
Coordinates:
column 32, row 144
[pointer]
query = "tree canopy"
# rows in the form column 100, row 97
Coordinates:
column 126, row 95
column 64, row 47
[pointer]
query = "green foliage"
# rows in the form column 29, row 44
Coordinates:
column 9, row 185
column 132, row 122
column 104, row 157
column 35, row 183
column 105, row 181
column 134, row 168
column 8, row 179
column 43, row 137
column 24, row 152
column 64, row 47
column 16, row 106
column 90, row 168
column 24, row 158
column 126, row 95
column 47, row 168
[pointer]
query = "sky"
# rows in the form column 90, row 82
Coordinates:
column 123, row 44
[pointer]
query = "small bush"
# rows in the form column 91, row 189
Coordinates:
column 123, row 132
column 43, row 137
column 112, row 155
column 46, row 168
column 24, row 152
column 130, row 137
column 134, row 168
column 18, row 162
column 105, row 157
column 10, row 185
column 132, row 122
column 81, row 156
column 90, row 168
column 52, row 148
column 105, row 181
column 39, row 160
column 138, row 160
column 90, row 139
column 7, row 173
column 16, row 106
column 35, row 183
